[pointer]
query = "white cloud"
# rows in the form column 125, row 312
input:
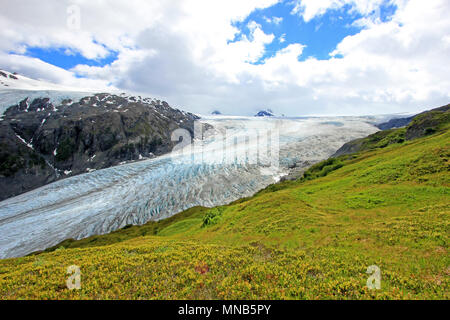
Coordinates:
column 274, row 20
column 39, row 70
column 183, row 51
column 309, row 9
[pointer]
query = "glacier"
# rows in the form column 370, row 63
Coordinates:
column 102, row 201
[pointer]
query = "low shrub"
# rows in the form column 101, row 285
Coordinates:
column 212, row 216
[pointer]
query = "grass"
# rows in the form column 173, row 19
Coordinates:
column 309, row 239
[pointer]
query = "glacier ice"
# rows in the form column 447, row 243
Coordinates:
column 102, row 201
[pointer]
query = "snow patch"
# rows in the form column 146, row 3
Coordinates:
column 29, row 145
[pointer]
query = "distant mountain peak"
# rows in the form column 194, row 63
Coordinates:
column 265, row 113
column 216, row 113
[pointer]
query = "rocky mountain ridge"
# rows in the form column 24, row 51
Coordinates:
column 41, row 141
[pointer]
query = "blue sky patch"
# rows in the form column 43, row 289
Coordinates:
column 321, row 35
column 67, row 59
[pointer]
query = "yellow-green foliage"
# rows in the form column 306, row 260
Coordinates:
column 310, row 239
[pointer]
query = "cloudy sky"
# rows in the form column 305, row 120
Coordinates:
column 296, row 57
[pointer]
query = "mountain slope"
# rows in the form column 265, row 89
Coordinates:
column 308, row 239
column 43, row 141
column 420, row 125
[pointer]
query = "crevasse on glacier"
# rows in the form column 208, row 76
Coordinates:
column 106, row 200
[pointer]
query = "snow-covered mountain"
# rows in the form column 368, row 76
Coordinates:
column 15, row 88
column 265, row 113
column 16, row 81
column 47, row 135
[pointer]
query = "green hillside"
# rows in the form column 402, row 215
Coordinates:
column 387, row 205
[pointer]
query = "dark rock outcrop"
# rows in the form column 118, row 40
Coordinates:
column 349, row 148
column 428, row 122
column 41, row 142
column 298, row 169
column 395, row 123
